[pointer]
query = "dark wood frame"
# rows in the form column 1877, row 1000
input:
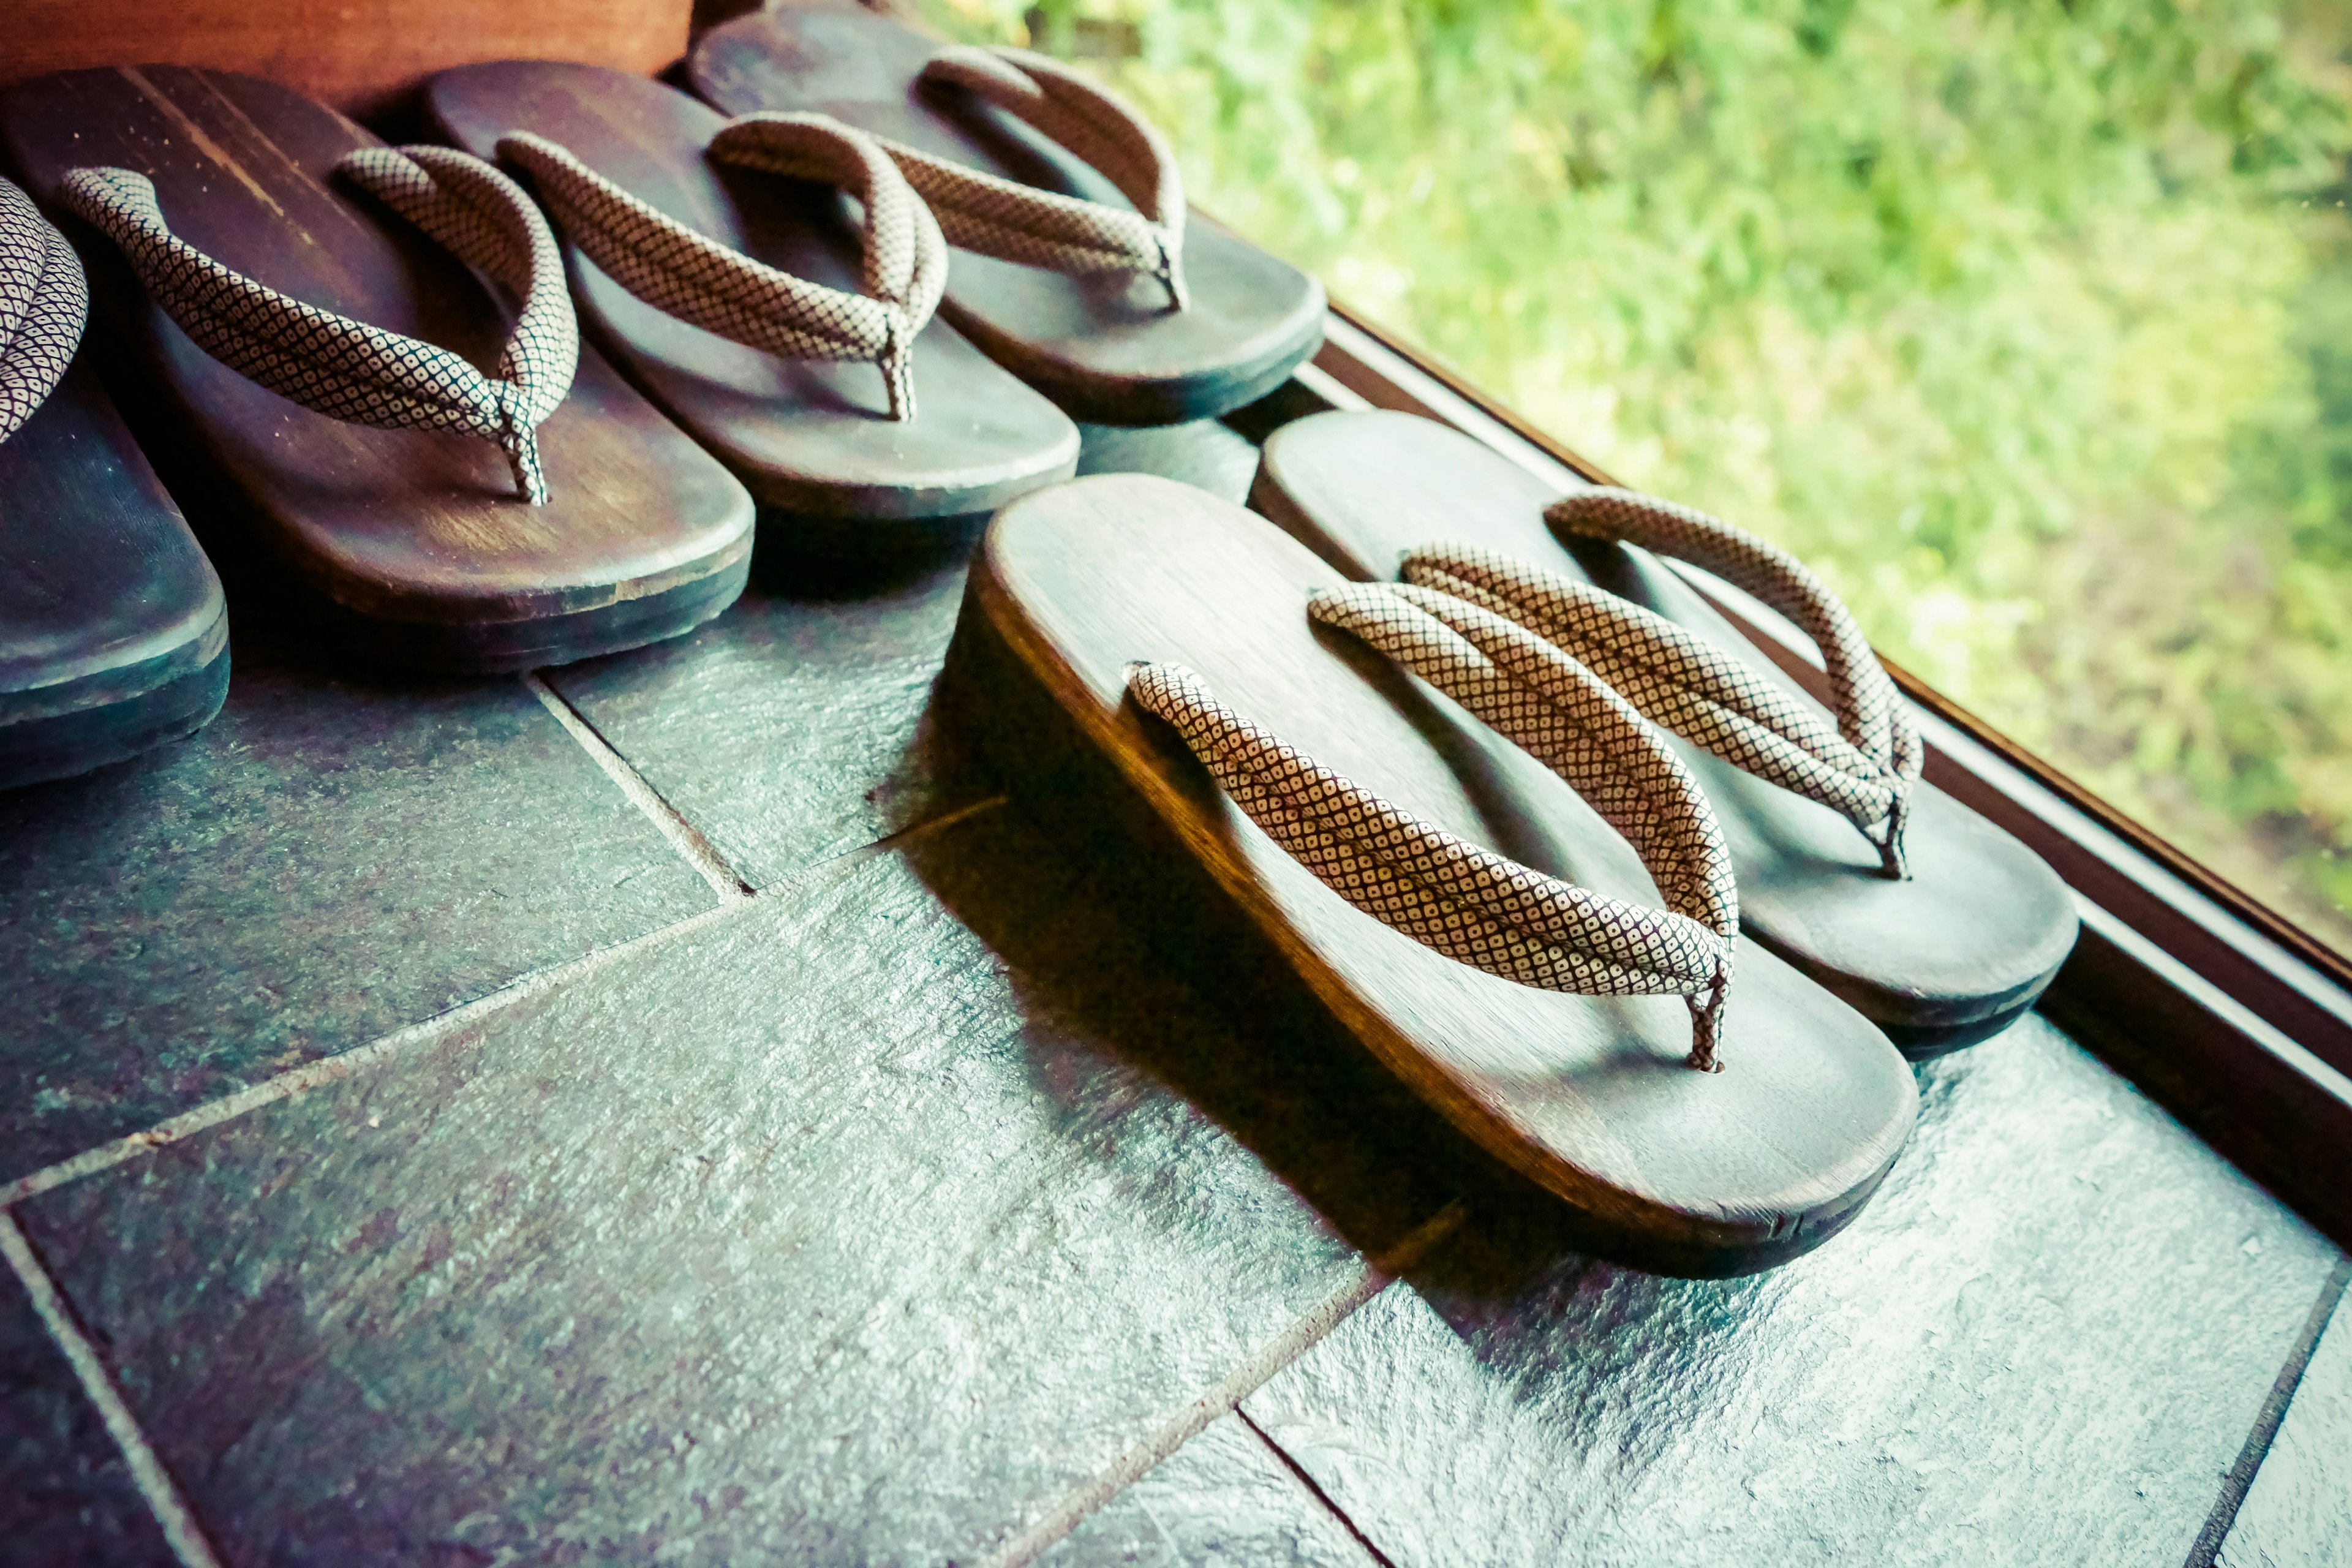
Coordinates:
column 2230, row 1018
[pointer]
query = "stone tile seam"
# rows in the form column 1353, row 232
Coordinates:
column 361, row 1057
column 172, row 1515
column 1314, row 1488
column 687, row 840
column 1191, row 1419
column 2239, row 1479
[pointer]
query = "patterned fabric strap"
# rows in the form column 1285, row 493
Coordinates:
column 1467, row 902
column 1719, row 701
column 1701, row 693
column 1018, row 222
column 699, row 280
column 43, row 302
column 348, row 370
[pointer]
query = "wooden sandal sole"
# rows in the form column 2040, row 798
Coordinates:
column 1947, row 958
column 1108, row 350
column 411, row 545
column 113, row 630
column 1685, row 1172
column 808, row 437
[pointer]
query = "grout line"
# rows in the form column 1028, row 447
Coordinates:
column 171, row 1512
column 683, row 836
column 1188, row 1421
column 345, row 1064
column 2240, row 1478
column 1316, row 1488
column 334, row 1068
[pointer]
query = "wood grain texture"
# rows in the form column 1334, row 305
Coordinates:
column 113, row 630
column 358, row 57
column 1944, row 959
column 1111, row 349
column 805, row 435
column 412, row 541
column 1697, row 1173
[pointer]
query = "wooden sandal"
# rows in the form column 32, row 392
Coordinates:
column 429, row 513
column 113, row 633
column 1934, row 924
column 1472, row 915
column 1077, row 267
column 796, row 346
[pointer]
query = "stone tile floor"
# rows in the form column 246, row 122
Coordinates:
column 679, row 1109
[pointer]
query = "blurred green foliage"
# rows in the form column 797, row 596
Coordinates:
column 2030, row 325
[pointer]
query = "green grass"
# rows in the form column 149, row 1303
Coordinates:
column 2029, row 325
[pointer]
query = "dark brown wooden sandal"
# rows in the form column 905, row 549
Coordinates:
column 113, row 633
column 309, row 365
column 1471, row 912
column 1936, row 925
column 1077, row 266
column 720, row 269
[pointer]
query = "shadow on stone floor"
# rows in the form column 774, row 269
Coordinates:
column 842, row 559
column 1104, row 921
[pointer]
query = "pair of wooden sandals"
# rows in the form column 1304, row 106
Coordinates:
column 1531, row 819
column 360, row 367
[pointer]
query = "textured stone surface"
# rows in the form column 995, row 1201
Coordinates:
column 2298, row 1513
column 791, row 729
column 334, row 857
column 66, row 1499
column 822, row 1234
column 1225, row 1497
column 2043, row 1342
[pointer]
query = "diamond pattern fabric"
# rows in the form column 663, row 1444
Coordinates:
column 1467, row 902
column 44, row 300
column 1567, row 717
column 1864, row 769
column 721, row 290
column 347, row 369
column 1018, row 222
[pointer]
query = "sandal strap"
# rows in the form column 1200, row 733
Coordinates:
column 44, row 300
column 346, row 369
column 1020, row 223
column 1466, row 901
column 1871, row 716
column 709, row 285
column 1680, row 681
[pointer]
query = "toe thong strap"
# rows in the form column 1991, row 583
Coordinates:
column 346, row 369
column 721, row 289
column 1019, row 223
column 44, row 300
column 1467, row 902
column 1866, row 768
